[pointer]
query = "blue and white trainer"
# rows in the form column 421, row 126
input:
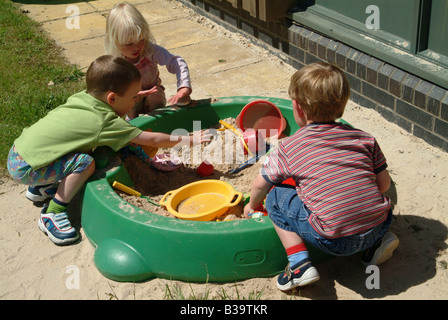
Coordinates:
column 57, row 227
column 301, row 274
column 41, row 193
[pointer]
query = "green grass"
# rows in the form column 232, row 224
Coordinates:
column 29, row 62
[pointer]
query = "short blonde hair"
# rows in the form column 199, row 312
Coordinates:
column 125, row 24
column 322, row 91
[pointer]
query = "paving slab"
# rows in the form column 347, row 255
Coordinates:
column 55, row 10
column 216, row 56
column 83, row 52
column 106, row 5
column 91, row 25
column 249, row 80
column 157, row 12
column 180, row 32
column 219, row 65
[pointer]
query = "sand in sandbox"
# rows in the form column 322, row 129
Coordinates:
column 224, row 152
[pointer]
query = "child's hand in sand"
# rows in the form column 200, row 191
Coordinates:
column 182, row 97
column 199, row 137
column 248, row 211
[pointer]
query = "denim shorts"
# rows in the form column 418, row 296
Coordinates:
column 22, row 172
column 288, row 212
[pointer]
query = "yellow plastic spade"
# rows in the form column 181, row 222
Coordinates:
column 236, row 132
column 132, row 192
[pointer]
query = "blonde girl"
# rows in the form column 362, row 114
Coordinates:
column 128, row 36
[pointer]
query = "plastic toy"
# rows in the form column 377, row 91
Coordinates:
column 246, row 140
column 201, row 200
column 166, row 162
column 132, row 244
column 132, row 192
column 263, row 116
column 205, row 169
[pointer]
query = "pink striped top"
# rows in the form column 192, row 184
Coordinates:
column 334, row 167
column 148, row 67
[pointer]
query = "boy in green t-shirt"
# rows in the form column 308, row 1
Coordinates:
column 56, row 148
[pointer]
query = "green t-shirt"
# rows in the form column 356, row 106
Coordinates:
column 80, row 125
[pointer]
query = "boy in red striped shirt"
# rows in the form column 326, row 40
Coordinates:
column 337, row 204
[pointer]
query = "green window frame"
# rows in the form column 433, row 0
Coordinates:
column 412, row 34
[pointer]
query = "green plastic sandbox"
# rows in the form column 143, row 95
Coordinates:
column 132, row 244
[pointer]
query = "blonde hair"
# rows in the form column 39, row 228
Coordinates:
column 125, row 24
column 322, row 91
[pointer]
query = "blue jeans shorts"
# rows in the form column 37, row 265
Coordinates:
column 288, row 212
column 22, row 172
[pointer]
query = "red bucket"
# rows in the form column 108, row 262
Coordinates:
column 254, row 141
column 262, row 116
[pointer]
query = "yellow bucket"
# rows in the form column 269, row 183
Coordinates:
column 201, row 200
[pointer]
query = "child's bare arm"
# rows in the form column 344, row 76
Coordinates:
column 164, row 140
column 383, row 180
column 260, row 188
column 144, row 93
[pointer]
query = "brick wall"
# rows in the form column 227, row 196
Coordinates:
column 264, row 10
column 414, row 104
column 262, row 19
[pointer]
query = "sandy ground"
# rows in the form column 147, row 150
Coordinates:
column 32, row 267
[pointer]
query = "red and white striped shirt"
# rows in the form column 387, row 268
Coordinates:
column 334, row 167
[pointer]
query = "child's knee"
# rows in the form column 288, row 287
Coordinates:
column 91, row 167
column 85, row 165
